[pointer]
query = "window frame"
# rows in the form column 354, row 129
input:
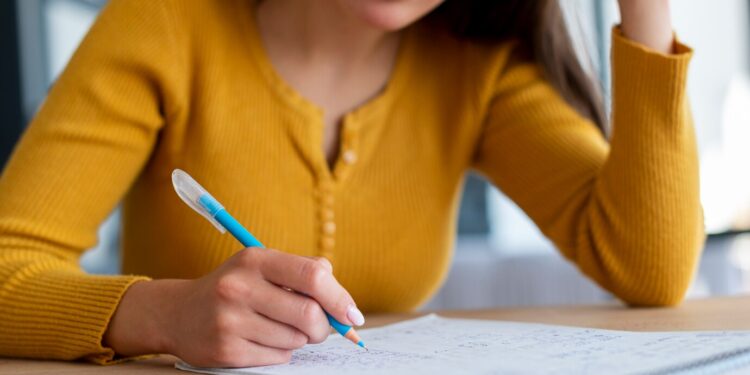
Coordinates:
column 10, row 82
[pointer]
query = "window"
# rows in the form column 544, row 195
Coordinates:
column 50, row 31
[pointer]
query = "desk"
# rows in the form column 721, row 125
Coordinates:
column 708, row 314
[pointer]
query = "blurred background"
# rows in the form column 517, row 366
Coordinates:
column 501, row 259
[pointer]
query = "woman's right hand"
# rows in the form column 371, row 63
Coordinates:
column 239, row 315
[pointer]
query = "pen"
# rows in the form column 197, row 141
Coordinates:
column 195, row 196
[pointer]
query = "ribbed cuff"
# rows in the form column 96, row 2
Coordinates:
column 647, row 79
column 62, row 314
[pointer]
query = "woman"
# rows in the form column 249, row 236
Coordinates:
column 339, row 132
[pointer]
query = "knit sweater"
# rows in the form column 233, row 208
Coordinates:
column 159, row 85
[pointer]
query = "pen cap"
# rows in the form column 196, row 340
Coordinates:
column 192, row 193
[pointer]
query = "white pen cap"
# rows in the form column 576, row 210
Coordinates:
column 192, row 193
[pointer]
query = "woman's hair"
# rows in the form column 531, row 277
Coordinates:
column 540, row 28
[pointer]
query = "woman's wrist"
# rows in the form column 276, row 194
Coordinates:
column 139, row 326
column 649, row 23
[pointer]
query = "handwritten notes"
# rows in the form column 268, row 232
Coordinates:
column 436, row 345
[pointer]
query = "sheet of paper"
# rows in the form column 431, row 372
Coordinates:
column 436, row 345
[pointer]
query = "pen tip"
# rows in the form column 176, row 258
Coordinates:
column 362, row 344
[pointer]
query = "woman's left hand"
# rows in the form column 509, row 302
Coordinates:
column 648, row 22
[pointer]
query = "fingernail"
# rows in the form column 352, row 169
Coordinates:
column 355, row 316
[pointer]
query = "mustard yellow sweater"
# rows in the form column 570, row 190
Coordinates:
column 158, row 85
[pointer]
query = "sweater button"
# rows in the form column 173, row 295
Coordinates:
column 327, row 244
column 329, row 227
column 349, row 156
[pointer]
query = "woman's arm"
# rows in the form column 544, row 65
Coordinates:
column 76, row 160
column 649, row 23
column 80, row 155
column 628, row 212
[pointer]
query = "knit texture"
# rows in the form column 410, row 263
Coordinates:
column 158, row 85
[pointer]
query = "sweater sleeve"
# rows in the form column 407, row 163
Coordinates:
column 77, row 159
column 626, row 213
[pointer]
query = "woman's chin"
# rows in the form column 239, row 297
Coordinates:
column 392, row 15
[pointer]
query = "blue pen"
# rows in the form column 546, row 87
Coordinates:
column 192, row 193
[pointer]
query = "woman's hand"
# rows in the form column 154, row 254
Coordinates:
column 648, row 22
column 239, row 315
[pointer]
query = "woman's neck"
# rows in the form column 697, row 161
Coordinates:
column 321, row 32
column 327, row 56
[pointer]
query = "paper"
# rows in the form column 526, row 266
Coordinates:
column 436, row 345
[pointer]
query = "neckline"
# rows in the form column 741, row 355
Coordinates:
column 290, row 95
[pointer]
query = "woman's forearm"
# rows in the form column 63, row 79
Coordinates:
column 648, row 22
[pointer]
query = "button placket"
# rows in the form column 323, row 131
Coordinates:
column 348, row 153
column 327, row 231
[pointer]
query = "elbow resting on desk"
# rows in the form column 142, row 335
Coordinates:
column 641, row 263
column 662, row 290
column 661, row 280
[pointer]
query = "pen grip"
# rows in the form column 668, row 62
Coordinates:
column 236, row 229
column 339, row 327
column 248, row 240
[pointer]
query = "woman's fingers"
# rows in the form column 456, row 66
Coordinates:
column 292, row 309
column 324, row 262
column 272, row 333
column 260, row 355
column 313, row 278
column 243, row 353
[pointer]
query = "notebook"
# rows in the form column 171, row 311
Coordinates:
column 438, row 345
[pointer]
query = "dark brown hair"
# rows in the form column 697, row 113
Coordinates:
column 544, row 38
